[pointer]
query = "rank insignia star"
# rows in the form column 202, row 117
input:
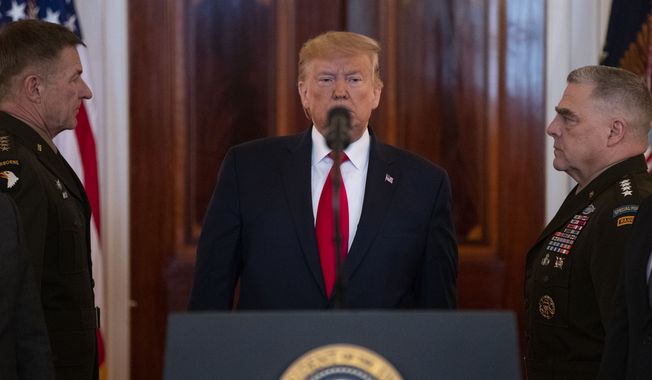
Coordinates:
column 626, row 187
column 5, row 144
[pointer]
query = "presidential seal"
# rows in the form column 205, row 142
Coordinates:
column 547, row 307
column 341, row 362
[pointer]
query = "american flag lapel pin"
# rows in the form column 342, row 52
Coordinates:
column 389, row 178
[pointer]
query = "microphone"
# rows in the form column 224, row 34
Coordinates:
column 338, row 137
column 338, row 132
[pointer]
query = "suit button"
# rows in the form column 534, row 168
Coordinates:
column 546, row 278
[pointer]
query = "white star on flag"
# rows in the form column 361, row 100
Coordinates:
column 17, row 12
column 70, row 24
column 52, row 16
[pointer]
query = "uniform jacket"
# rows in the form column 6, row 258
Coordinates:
column 24, row 345
column 572, row 272
column 259, row 228
column 628, row 351
column 56, row 216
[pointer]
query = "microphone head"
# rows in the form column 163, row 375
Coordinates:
column 338, row 133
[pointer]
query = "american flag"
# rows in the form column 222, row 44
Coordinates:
column 78, row 146
column 629, row 44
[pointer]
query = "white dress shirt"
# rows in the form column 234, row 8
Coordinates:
column 354, row 175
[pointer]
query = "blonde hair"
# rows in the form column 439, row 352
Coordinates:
column 340, row 44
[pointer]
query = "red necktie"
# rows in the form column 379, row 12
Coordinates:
column 325, row 227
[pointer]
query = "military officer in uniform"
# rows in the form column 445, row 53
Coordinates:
column 628, row 348
column 41, row 91
column 600, row 133
column 24, row 345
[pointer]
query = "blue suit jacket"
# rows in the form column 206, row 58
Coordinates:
column 628, row 348
column 259, row 229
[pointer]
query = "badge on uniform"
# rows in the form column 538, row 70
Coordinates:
column 9, row 174
column 563, row 241
column 625, row 215
column 546, row 260
column 547, row 307
column 5, row 143
column 559, row 262
column 625, row 187
column 64, row 193
column 625, row 221
column 10, row 177
column 9, row 164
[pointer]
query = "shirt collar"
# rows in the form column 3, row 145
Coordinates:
column 357, row 151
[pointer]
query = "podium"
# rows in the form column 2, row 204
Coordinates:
column 267, row 345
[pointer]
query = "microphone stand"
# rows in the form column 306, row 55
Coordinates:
column 338, row 138
column 339, row 286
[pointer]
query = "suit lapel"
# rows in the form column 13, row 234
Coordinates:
column 377, row 198
column 296, row 173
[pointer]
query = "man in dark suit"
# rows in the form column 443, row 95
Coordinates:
column 24, row 345
column 264, row 225
column 628, row 349
column 41, row 90
column 600, row 134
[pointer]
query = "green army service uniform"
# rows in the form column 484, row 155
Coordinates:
column 572, row 271
column 56, row 220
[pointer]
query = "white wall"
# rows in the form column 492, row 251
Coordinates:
column 575, row 34
column 104, row 25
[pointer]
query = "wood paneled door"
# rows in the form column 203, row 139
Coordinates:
column 463, row 87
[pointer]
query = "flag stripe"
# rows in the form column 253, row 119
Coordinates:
column 88, row 155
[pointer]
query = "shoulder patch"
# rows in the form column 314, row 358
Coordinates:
column 625, row 220
column 623, row 210
column 9, row 163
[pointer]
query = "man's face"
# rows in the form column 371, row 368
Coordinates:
column 580, row 131
column 63, row 91
column 346, row 82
